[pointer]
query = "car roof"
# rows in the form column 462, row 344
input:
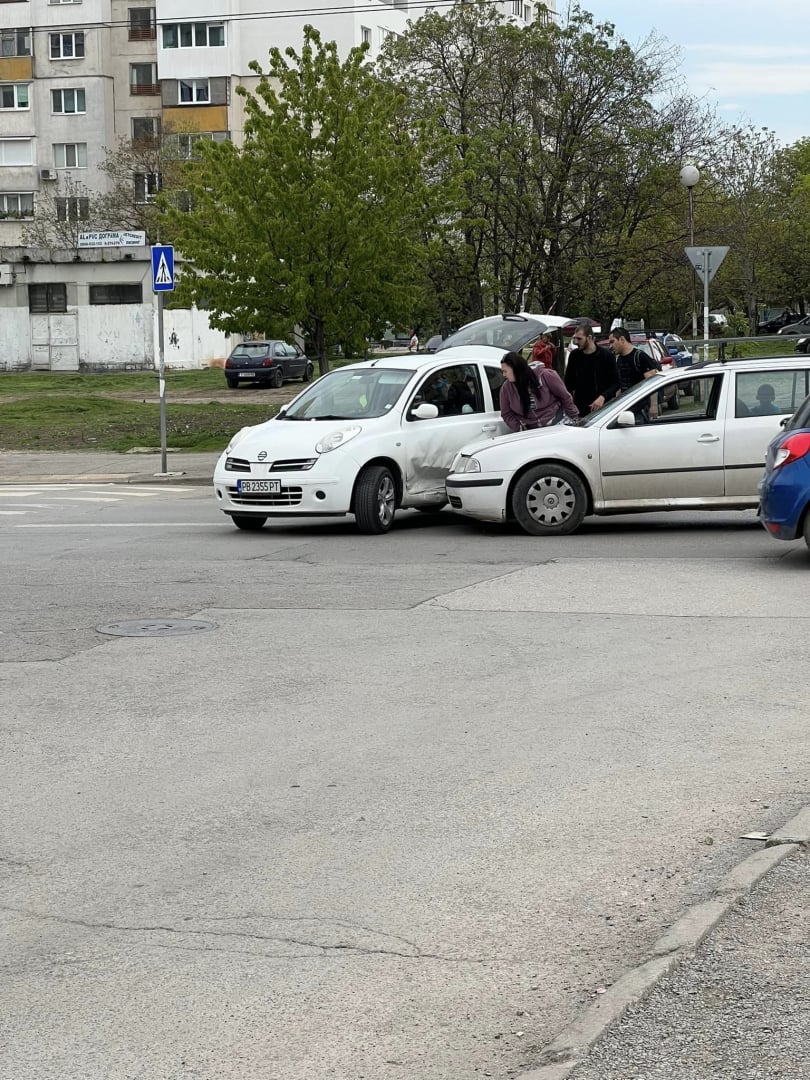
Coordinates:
column 748, row 364
column 427, row 361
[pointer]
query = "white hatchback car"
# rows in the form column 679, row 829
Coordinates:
column 709, row 454
column 365, row 439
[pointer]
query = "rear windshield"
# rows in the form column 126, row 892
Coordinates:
column 257, row 349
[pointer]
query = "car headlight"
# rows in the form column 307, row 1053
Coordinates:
column 335, row 439
column 237, row 438
column 469, row 464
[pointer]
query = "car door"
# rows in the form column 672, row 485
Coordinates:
column 465, row 414
column 295, row 361
column 760, row 401
column 673, row 459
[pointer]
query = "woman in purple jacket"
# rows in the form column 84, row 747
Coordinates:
column 532, row 398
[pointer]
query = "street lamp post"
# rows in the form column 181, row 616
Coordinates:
column 689, row 177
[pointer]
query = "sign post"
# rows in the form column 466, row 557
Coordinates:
column 162, row 282
column 706, row 262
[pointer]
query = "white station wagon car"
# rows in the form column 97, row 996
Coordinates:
column 365, row 439
column 709, row 454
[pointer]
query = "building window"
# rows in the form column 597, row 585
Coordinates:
column 67, row 46
column 527, row 13
column 72, row 209
column 116, row 294
column 142, row 24
column 52, row 2
column 16, row 152
column 68, row 101
column 143, row 79
column 145, row 130
column 517, row 8
column 15, row 42
column 14, row 95
column 18, row 205
column 70, row 155
column 185, row 142
column 365, row 34
column 193, row 35
column 147, row 186
column 193, row 92
column 47, row 299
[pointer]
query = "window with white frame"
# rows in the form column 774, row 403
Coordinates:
column 16, row 151
column 187, row 140
column 14, row 96
column 147, row 186
column 193, row 92
column 68, row 100
column 67, row 46
column 517, row 8
column 198, row 35
column 365, row 34
column 19, row 204
column 15, row 42
column 72, row 209
column 527, row 13
column 52, row 2
column 70, row 155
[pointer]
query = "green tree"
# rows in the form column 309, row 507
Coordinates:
column 317, row 221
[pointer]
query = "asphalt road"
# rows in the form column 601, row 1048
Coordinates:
column 402, row 812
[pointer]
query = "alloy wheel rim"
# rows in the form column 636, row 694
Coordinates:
column 551, row 501
column 385, row 500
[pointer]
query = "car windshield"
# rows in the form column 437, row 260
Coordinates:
column 258, row 349
column 350, row 394
column 507, row 332
column 595, row 417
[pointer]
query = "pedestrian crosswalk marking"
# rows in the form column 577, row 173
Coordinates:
column 163, row 277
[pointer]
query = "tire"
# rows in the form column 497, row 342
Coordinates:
column 375, row 500
column 309, row 371
column 277, row 378
column 806, row 531
column 248, row 522
column 549, row 500
column 232, row 383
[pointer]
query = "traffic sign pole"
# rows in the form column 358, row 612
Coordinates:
column 706, row 262
column 707, row 277
column 162, row 384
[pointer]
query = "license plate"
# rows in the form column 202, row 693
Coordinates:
column 258, row 487
column 247, row 374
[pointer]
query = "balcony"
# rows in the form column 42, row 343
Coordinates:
column 142, row 33
column 144, row 89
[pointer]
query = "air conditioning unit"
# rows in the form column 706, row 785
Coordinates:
column 47, row 174
column 6, row 274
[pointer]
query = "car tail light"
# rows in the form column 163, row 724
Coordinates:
column 268, row 362
column 228, row 362
column 792, row 449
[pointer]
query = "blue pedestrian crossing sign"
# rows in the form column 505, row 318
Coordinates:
column 162, row 268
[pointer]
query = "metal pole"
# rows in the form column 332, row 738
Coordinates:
column 162, row 385
column 707, row 273
column 692, row 244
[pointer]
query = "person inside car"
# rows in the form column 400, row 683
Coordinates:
column 766, row 396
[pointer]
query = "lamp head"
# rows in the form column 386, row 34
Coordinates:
column 689, row 176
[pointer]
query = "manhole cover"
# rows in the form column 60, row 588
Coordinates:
column 156, row 627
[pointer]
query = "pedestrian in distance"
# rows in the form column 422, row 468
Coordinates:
column 413, row 344
column 591, row 375
column 634, row 366
column 533, row 397
column 544, row 351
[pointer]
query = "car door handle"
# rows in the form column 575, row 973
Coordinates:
column 489, row 427
column 709, row 438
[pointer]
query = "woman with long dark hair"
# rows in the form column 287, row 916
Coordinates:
column 533, row 398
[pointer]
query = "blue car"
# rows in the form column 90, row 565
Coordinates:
column 784, row 507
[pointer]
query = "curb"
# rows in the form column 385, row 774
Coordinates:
column 570, row 1048
column 107, row 478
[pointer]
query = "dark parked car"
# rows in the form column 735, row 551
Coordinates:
column 803, row 344
column 266, row 362
column 801, row 326
column 773, row 326
column 784, row 491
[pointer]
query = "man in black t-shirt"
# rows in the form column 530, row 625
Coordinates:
column 634, row 366
column 591, row 375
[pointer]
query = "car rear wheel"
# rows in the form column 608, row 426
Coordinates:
column 232, row 383
column 806, row 531
column 248, row 522
column 549, row 500
column 309, row 371
column 277, row 378
column 375, row 500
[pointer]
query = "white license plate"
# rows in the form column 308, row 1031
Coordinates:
column 247, row 374
column 258, row 487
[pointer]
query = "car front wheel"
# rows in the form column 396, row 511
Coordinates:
column 549, row 500
column 248, row 522
column 375, row 500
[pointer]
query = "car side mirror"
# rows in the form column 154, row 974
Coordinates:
column 425, row 411
column 626, row 419
column 783, row 423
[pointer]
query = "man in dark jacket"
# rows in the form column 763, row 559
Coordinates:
column 591, row 375
column 634, row 365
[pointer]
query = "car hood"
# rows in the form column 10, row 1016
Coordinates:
column 283, row 439
column 558, row 431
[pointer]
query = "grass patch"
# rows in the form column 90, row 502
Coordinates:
column 135, row 382
column 92, row 423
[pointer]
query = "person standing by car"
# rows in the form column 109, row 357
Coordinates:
column 591, row 375
column 532, row 398
column 633, row 366
column 413, row 344
column 544, row 351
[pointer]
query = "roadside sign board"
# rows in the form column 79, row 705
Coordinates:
column 162, row 268
column 116, row 239
column 706, row 259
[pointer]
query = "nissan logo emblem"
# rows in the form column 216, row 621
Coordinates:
column 262, row 455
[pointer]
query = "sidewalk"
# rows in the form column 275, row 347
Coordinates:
column 79, row 466
column 738, row 1010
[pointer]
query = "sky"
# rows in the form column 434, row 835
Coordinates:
column 748, row 58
